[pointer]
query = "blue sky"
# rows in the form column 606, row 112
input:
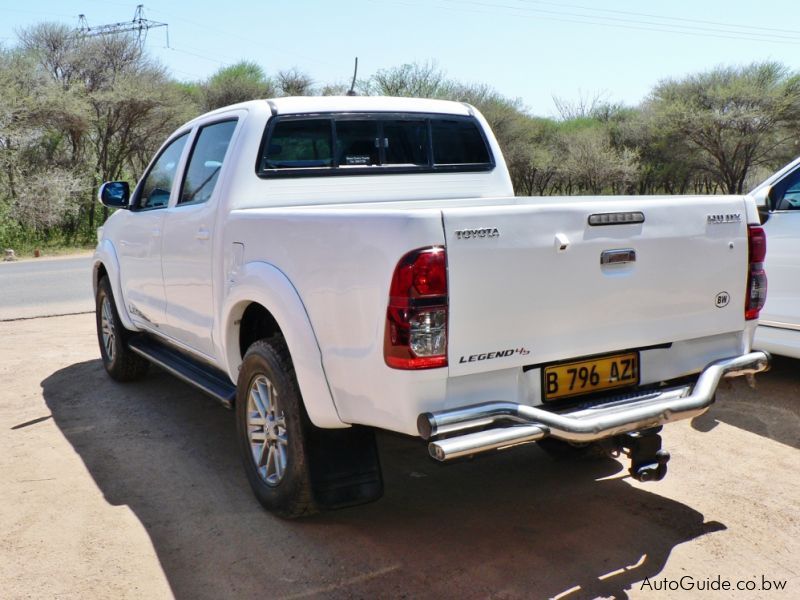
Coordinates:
column 526, row 49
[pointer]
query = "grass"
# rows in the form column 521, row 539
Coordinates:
column 51, row 251
column 27, row 248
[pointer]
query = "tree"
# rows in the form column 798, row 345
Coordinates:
column 593, row 165
column 417, row 80
column 587, row 105
column 334, row 89
column 293, row 82
column 533, row 156
column 54, row 46
column 735, row 117
column 237, row 83
column 109, row 109
column 40, row 188
column 47, row 199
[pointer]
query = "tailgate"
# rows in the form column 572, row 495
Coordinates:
column 526, row 283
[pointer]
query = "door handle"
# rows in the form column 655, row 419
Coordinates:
column 202, row 234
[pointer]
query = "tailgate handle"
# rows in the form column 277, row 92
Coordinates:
column 622, row 256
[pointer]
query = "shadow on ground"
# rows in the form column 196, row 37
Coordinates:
column 771, row 409
column 514, row 524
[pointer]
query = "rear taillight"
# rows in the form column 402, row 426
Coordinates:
column 756, row 276
column 416, row 317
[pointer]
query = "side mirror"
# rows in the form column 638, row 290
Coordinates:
column 115, row 194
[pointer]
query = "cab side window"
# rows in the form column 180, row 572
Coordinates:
column 205, row 162
column 787, row 192
column 157, row 184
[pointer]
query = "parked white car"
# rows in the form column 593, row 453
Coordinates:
column 778, row 199
column 330, row 266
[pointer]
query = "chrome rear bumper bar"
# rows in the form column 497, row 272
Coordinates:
column 506, row 424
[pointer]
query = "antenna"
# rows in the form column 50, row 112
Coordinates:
column 138, row 24
column 351, row 91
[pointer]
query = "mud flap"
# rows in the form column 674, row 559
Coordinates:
column 345, row 468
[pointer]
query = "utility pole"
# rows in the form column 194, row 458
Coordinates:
column 139, row 25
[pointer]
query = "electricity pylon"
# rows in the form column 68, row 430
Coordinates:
column 140, row 25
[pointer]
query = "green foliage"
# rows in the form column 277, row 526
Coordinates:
column 591, row 164
column 11, row 232
column 419, row 80
column 294, row 82
column 75, row 112
column 237, row 83
column 734, row 117
column 78, row 111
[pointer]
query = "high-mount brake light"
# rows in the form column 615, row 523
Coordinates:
column 416, row 316
column 756, row 276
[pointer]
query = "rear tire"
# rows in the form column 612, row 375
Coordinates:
column 273, row 428
column 120, row 362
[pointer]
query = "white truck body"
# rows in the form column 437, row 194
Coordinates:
column 526, row 283
column 779, row 200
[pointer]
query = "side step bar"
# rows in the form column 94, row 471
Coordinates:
column 213, row 382
column 529, row 423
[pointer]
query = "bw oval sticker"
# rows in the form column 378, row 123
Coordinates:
column 722, row 300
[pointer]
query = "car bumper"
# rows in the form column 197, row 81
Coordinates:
column 503, row 424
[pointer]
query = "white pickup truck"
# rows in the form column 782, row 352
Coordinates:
column 330, row 266
column 778, row 200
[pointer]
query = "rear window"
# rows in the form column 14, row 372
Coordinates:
column 357, row 143
column 300, row 144
column 457, row 143
column 406, row 142
column 354, row 144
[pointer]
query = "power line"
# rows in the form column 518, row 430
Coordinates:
column 663, row 17
column 631, row 23
column 196, row 55
column 237, row 36
column 674, row 27
column 596, row 20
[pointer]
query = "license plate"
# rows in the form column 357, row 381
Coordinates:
column 588, row 376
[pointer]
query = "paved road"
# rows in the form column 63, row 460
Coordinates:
column 44, row 287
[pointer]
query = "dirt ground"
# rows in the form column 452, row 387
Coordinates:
column 136, row 491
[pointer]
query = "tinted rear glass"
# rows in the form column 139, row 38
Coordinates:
column 457, row 142
column 304, row 143
column 357, row 143
column 368, row 143
column 405, row 142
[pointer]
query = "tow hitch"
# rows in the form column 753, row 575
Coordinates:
column 648, row 460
